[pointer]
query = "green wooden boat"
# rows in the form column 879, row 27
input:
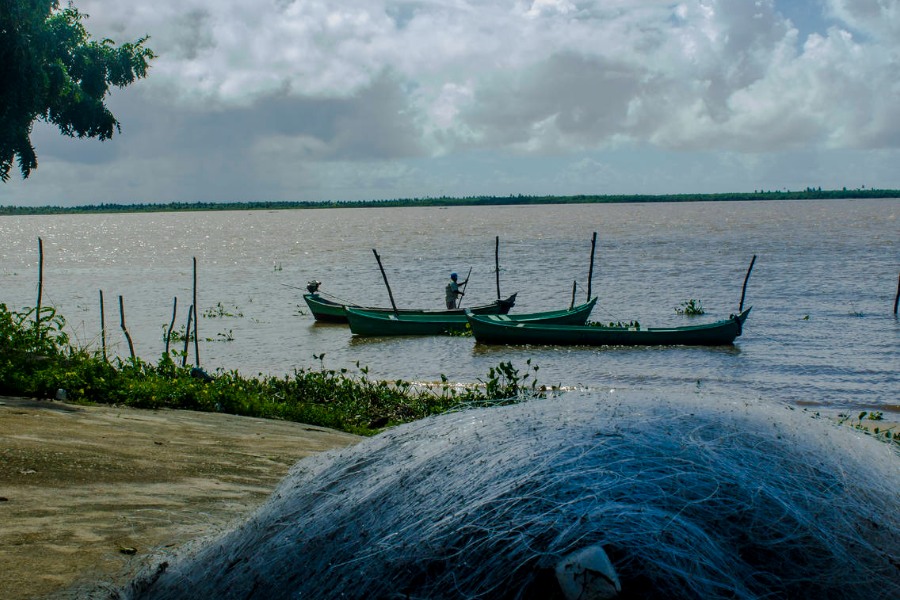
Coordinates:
column 328, row 310
column 488, row 330
column 377, row 324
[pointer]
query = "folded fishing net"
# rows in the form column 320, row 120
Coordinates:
column 687, row 497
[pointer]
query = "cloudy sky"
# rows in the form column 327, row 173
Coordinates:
column 369, row 99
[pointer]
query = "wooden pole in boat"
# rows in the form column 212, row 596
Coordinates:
column 386, row 284
column 897, row 297
column 37, row 314
column 574, row 287
column 744, row 289
column 102, row 327
column 172, row 324
column 124, row 329
column 465, row 283
column 591, row 270
column 196, row 319
column 497, row 264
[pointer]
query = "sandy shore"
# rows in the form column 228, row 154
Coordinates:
column 86, row 492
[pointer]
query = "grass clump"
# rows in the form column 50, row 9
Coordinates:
column 37, row 359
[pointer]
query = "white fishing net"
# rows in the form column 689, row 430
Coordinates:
column 689, row 497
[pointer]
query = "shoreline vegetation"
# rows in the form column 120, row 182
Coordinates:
column 445, row 201
column 38, row 360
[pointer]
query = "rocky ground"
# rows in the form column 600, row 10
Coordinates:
column 86, row 492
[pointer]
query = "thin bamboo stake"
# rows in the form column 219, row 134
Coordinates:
column 196, row 318
column 591, row 270
column 124, row 329
column 172, row 324
column 744, row 289
column 37, row 314
column 187, row 336
column 387, row 285
column 897, row 297
column 497, row 263
column 102, row 327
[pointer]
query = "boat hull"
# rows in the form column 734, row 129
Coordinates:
column 329, row 311
column 325, row 310
column 380, row 324
column 720, row 333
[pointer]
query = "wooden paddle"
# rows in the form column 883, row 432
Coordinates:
column 465, row 283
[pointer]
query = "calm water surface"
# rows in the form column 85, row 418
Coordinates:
column 822, row 332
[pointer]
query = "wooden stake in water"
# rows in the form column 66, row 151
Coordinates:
column 196, row 319
column 37, row 314
column 172, row 324
column 744, row 289
column 187, row 336
column 102, row 327
column 897, row 297
column 124, row 329
column 591, row 270
column 387, row 285
column 497, row 263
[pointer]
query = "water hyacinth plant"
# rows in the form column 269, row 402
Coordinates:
column 219, row 311
column 690, row 308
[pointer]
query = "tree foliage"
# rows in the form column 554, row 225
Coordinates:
column 809, row 194
column 51, row 69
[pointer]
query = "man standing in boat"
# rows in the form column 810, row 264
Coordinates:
column 453, row 291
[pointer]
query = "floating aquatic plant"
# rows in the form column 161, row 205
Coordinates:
column 690, row 308
column 219, row 311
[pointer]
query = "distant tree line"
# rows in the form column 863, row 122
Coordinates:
column 519, row 199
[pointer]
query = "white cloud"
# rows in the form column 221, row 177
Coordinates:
column 879, row 19
column 289, row 86
column 544, row 7
column 543, row 74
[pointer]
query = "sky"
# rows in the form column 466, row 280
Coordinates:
column 313, row 100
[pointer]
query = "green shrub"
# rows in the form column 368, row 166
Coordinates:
column 37, row 359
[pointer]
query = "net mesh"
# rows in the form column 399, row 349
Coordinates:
column 690, row 497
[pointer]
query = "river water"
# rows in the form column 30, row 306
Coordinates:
column 822, row 332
